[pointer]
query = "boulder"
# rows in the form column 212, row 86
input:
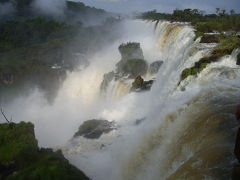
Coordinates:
column 139, row 84
column 93, row 129
column 154, row 67
column 130, row 50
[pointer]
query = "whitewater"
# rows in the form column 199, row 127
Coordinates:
column 188, row 128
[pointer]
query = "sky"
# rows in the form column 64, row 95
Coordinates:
column 127, row 6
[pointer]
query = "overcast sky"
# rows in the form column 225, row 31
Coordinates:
column 162, row 5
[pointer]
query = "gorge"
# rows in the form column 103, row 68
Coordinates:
column 177, row 129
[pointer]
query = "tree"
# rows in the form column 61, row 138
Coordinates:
column 232, row 12
column 218, row 10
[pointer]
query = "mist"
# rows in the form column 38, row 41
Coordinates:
column 54, row 8
column 6, row 9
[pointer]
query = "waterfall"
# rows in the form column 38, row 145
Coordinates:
column 187, row 129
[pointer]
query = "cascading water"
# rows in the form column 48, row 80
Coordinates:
column 187, row 129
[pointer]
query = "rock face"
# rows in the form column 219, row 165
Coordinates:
column 236, row 168
column 21, row 158
column 154, row 67
column 132, row 67
column 131, row 50
column 139, row 84
column 93, row 129
column 238, row 59
column 208, row 38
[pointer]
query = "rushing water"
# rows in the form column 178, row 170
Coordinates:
column 188, row 129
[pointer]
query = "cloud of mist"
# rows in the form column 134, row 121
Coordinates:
column 49, row 7
column 6, row 8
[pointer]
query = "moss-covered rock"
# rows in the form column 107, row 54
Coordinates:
column 21, row 159
column 93, row 129
column 132, row 67
column 131, row 50
column 154, row 67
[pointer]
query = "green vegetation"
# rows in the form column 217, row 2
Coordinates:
column 21, row 159
column 221, row 21
column 14, row 34
column 225, row 47
column 131, row 50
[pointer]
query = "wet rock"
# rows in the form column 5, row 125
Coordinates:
column 139, row 84
column 209, row 38
column 93, row 129
column 154, row 67
column 238, row 59
column 236, row 172
column 237, row 146
column 238, row 112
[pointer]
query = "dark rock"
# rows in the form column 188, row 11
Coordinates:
column 238, row 112
column 238, row 59
column 93, row 129
column 139, row 121
column 131, row 50
column 155, row 66
column 237, row 146
column 236, row 172
column 208, row 38
column 139, row 84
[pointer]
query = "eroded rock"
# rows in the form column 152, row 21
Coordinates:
column 93, row 129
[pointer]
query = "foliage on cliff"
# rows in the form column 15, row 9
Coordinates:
column 21, row 159
column 221, row 21
column 225, row 47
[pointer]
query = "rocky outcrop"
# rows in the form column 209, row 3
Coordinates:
column 154, row 67
column 132, row 68
column 140, row 85
column 93, row 129
column 209, row 38
column 238, row 59
column 21, row 158
column 130, row 50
